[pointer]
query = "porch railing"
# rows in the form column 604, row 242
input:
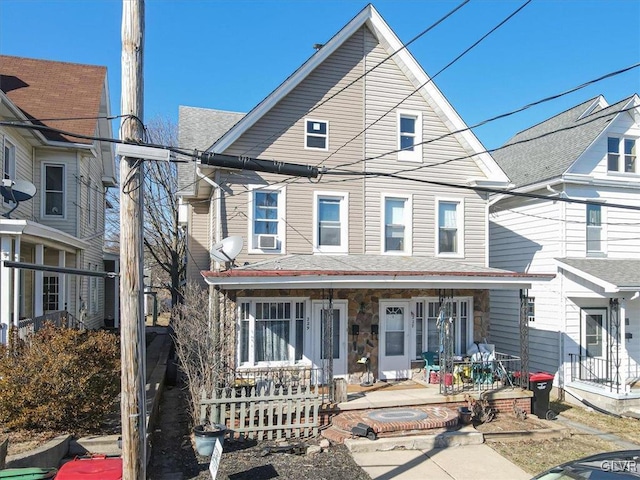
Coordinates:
column 256, row 380
column 62, row 318
column 501, row 371
column 596, row 371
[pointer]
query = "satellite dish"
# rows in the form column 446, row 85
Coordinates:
column 16, row 191
column 228, row 249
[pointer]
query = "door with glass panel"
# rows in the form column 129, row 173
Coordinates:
column 329, row 335
column 394, row 362
column 595, row 342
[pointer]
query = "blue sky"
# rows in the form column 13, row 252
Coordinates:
column 231, row 54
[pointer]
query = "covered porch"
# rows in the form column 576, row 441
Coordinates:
column 378, row 315
column 27, row 294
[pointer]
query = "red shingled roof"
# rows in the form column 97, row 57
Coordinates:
column 45, row 89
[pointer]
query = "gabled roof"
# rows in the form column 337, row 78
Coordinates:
column 370, row 17
column 199, row 127
column 613, row 275
column 368, row 271
column 45, row 89
column 547, row 150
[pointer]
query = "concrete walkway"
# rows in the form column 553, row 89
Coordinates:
column 465, row 462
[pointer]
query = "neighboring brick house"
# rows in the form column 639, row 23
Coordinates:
column 62, row 226
column 584, row 326
column 380, row 244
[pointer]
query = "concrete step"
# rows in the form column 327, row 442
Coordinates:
column 466, row 435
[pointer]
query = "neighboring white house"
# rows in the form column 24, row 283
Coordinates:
column 584, row 326
column 363, row 261
column 58, row 235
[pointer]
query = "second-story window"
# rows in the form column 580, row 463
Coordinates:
column 316, row 135
column 267, row 221
column 450, row 217
column 594, row 229
column 621, row 154
column 409, row 136
column 397, row 225
column 54, row 190
column 331, row 225
column 8, row 163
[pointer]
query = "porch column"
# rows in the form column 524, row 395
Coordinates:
column 17, row 287
column 116, row 283
column 5, row 289
column 62, row 282
column 38, row 283
column 622, row 347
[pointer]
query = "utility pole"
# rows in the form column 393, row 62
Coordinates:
column 132, row 403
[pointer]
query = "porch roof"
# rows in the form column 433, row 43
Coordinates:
column 368, row 271
column 612, row 274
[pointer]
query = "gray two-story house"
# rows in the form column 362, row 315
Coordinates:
column 364, row 260
column 52, row 114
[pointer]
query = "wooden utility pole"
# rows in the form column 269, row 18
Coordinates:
column 132, row 403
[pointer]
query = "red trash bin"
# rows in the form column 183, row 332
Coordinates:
column 96, row 468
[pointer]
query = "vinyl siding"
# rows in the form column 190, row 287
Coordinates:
column 386, row 87
column 199, row 221
column 280, row 135
column 24, row 168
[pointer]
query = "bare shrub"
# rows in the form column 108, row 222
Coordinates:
column 197, row 347
column 60, row 379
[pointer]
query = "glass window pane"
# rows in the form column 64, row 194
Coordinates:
column 329, row 235
column 272, row 340
column 613, row 145
column 407, row 124
column 318, row 128
column 329, row 209
column 594, row 215
column 394, row 210
column 406, row 143
column 629, row 155
column 316, row 142
column 394, row 344
column 54, row 178
column 53, row 204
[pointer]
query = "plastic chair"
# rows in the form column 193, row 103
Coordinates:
column 429, row 363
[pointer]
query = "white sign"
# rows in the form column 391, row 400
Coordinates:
column 215, row 459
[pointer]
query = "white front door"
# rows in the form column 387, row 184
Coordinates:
column 337, row 341
column 394, row 362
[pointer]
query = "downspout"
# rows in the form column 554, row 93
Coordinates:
column 216, row 198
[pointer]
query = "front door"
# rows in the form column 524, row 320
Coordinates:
column 394, row 360
column 595, row 341
column 330, row 334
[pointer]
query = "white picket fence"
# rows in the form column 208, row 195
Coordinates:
column 267, row 414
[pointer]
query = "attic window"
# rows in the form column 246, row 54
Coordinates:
column 316, row 135
column 625, row 163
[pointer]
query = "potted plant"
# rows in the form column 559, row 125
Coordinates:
column 199, row 354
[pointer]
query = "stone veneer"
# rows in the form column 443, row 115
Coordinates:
column 366, row 342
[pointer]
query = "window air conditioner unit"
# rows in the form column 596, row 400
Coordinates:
column 267, row 242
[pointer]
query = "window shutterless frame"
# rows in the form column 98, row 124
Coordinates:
column 54, row 190
column 266, row 218
column 316, row 134
column 396, row 230
column 409, row 133
column 449, row 227
column 330, row 222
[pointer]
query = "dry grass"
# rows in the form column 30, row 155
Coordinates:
column 535, row 456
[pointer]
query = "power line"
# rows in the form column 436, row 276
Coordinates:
column 430, row 80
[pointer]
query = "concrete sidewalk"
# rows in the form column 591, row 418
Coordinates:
column 464, row 462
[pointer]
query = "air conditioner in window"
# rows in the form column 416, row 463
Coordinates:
column 267, row 242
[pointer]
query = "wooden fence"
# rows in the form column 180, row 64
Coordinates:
column 267, row 414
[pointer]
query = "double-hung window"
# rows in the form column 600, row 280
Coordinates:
column 594, row 229
column 621, row 155
column 271, row 331
column 50, row 292
column 455, row 312
column 267, row 220
column 8, row 162
column 396, row 224
column 316, row 134
column 450, row 230
column 54, row 200
column 409, row 136
column 330, row 215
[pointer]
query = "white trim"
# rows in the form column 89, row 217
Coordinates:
column 325, row 136
column 43, row 196
column 603, row 233
column 460, row 222
column 251, row 363
column 408, row 222
column 608, row 287
column 416, row 154
column 282, row 224
column 46, row 234
column 343, row 197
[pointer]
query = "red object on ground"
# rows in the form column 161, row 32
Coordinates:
column 434, row 377
column 540, row 377
column 448, row 379
column 98, row 468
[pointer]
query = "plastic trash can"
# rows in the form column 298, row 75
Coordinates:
column 99, row 467
column 29, row 473
column 540, row 384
